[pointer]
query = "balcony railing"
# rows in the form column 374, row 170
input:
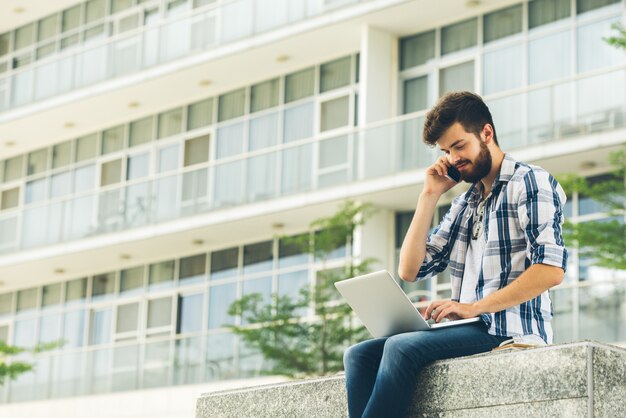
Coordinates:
column 535, row 116
column 203, row 30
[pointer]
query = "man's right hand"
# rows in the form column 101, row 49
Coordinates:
column 436, row 181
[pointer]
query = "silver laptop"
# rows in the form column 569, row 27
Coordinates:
column 384, row 308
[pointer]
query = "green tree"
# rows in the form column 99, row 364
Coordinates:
column 13, row 369
column 603, row 240
column 297, row 346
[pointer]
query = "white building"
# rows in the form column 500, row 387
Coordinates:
column 151, row 151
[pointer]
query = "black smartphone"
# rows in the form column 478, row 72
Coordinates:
column 454, row 174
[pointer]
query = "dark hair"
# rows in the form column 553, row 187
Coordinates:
column 464, row 107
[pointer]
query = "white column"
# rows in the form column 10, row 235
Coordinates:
column 375, row 239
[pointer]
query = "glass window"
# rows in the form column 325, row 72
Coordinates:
column 47, row 27
column 127, row 318
column 264, row 95
column 220, row 299
column 200, row 114
column 100, row 328
column 10, row 198
column 24, row 333
column 417, row 50
column 161, row 275
column 4, row 333
column 196, row 150
column 456, row 78
column 111, row 172
column 290, row 285
column 60, row 184
column 119, row 5
column 502, row 69
column 44, row 51
column 263, row 132
column 74, row 329
column 333, row 152
column 138, row 166
column 113, row 139
column 141, row 131
column 459, row 36
column 291, row 252
column 85, row 178
column 261, row 174
column 50, row 329
column 128, row 23
column 94, row 10
column 257, row 257
column 231, row 105
column 262, row 285
column 170, row 123
column 298, row 122
column 6, row 304
column 549, row 57
column 335, row 113
column 541, row 12
column 583, row 6
column 502, row 23
column 24, row 36
column 4, row 43
column 299, row 85
column 69, row 41
column 297, row 169
column 192, row 269
column 86, row 147
column 131, row 280
column 76, row 290
column 168, row 158
column 190, row 313
column 229, row 140
column 62, row 154
column 26, row 299
column 160, row 312
column 71, row 18
column 415, row 94
column 37, row 161
column 13, row 168
column 51, row 295
column 103, row 285
column 335, row 74
column 224, row 263
column 593, row 51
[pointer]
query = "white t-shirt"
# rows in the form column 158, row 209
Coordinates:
column 473, row 261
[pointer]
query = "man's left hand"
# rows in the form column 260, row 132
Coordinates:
column 440, row 309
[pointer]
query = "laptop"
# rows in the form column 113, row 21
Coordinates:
column 384, row 308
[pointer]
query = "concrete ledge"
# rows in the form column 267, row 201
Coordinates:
column 578, row 379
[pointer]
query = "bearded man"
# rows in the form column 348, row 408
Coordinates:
column 501, row 240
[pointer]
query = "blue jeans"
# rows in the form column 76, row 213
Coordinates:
column 381, row 374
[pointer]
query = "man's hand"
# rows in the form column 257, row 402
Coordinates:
column 435, row 181
column 440, row 309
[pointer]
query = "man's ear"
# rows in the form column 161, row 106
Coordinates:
column 487, row 133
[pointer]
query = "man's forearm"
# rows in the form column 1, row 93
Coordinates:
column 534, row 281
column 413, row 248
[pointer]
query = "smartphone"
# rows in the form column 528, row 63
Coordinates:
column 454, row 174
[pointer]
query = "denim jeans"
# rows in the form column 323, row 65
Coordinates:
column 381, row 374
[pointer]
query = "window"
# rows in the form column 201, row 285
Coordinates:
column 231, row 105
column 47, row 27
column 161, row 275
column 86, row 147
column 299, row 85
column 138, row 166
column 541, row 12
column 549, row 57
column 220, row 298
column 168, row 158
column 26, row 299
column 60, row 184
column 51, row 295
column 502, row 69
column 189, row 313
column 170, row 123
column 229, row 140
column 4, row 43
column 113, row 139
column 415, row 94
column 24, row 36
column 13, row 168
column 160, row 312
column 94, row 10
column 10, row 198
column 141, row 131
column 291, row 251
column 192, row 269
column 257, row 257
column 103, row 285
column 4, row 333
column 298, row 122
column 111, row 172
column 593, row 51
column 459, row 36
column 502, row 23
column 583, row 6
column 264, row 95
column 6, row 304
column 224, row 263
column 127, row 318
column 196, row 150
column 335, row 113
column 417, row 50
column 263, row 132
column 200, row 114
column 37, row 161
column 74, row 328
column 335, row 74
column 71, row 18
column 35, row 191
column 131, row 280
column 76, row 290
column 457, row 77
column 101, row 322
column 119, row 5
column 85, row 178
column 62, row 154
column 50, row 329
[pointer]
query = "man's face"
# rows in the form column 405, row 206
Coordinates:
column 469, row 154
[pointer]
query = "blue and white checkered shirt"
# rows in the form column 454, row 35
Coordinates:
column 523, row 218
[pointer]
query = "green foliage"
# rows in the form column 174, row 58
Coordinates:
column 13, row 369
column 294, row 345
column 603, row 240
column 618, row 41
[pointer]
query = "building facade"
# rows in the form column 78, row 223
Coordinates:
column 155, row 153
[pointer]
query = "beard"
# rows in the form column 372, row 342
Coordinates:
column 480, row 167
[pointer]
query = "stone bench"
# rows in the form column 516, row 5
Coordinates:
column 584, row 379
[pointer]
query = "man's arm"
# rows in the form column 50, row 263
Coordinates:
column 533, row 282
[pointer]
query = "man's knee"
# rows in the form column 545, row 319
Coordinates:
column 408, row 347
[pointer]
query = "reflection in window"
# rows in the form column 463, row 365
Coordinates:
column 37, row 161
column 459, row 36
column 592, row 50
column 51, row 295
column 291, row 284
column 103, row 285
column 291, row 251
column 417, row 50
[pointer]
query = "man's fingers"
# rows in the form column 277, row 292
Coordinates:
column 433, row 305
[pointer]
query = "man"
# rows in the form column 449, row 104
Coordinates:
column 502, row 242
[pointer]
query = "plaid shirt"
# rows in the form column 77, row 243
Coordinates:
column 523, row 218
